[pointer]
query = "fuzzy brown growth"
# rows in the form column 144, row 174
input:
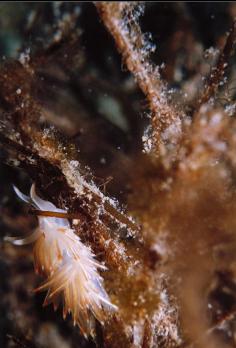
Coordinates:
column 217, row 72
column 121, row 21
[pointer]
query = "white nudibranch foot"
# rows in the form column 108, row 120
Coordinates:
column 69, row 265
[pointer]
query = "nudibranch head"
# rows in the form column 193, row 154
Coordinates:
column 70, row 266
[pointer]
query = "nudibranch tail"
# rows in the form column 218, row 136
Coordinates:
column 70, row 267
column 82, row 292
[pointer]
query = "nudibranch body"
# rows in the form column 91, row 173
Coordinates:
column 70, row 266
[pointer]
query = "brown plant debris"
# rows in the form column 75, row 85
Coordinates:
column 121, row 19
